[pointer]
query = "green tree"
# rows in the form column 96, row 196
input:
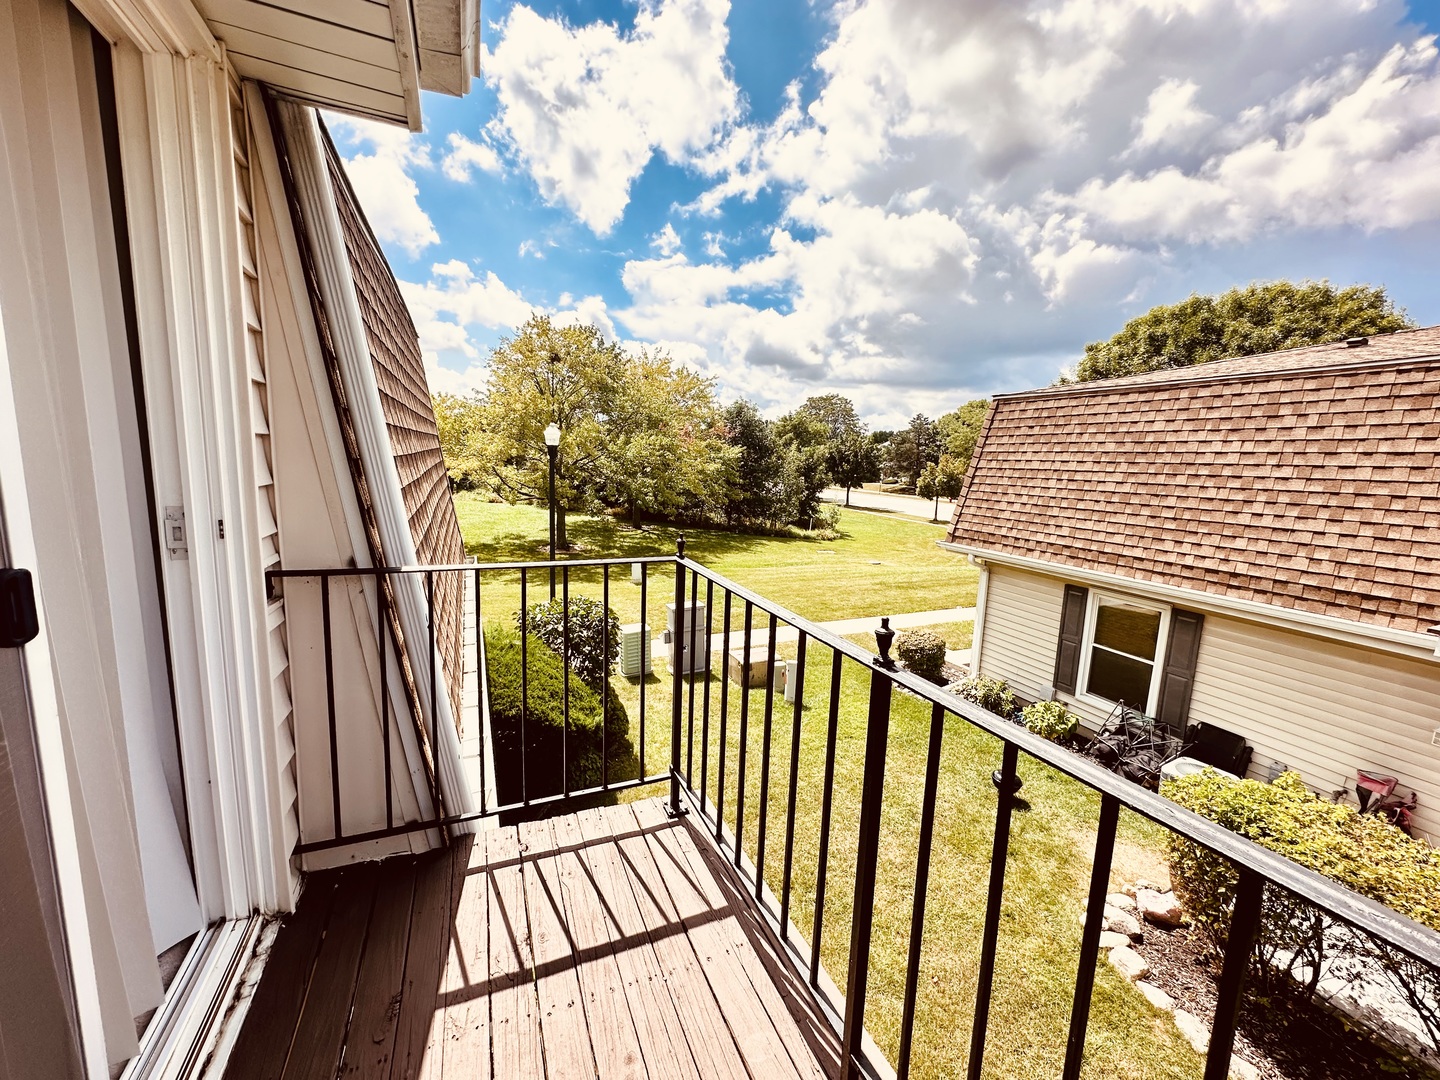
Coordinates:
column 910, row 450
column 1257, row 318
column 663, row 451
column 566, row 375
column 856, row 460
column 941, row 479
column 836, row 412
column 768, row 485
column 808, row 441
column 960, row 429
column 458, row 421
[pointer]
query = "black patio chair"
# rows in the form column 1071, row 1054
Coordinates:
column 1134, row 745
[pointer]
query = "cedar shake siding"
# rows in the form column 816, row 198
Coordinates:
column 1304, row 479
column 409, row 420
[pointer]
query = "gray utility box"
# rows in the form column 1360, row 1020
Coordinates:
column 683, row 657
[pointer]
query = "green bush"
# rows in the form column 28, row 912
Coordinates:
column 594, row 634
column 988, row 693
column 545, row 742
column 922, row 652
column 1049, row 719
column 1360, row 851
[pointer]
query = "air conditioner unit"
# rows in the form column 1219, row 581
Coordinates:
column 635, row 650
column 677, row 635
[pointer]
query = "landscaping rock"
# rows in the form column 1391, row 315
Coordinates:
column 1157, row 997
column 1129, row 963
column 1195, row 1030
column 1162, row 909
column 1109, row 940
column 1122, row 901
column 1122, row 922
column 1240, row 1069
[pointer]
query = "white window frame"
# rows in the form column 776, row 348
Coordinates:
column 1087, row 645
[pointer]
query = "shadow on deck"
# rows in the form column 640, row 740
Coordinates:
column 608, row 943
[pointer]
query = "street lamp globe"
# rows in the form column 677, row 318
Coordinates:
column 552, row 435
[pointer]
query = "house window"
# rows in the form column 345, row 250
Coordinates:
column 1124, row 639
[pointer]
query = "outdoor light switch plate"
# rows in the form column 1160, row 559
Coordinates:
column 177, row 543
column 1435, row 737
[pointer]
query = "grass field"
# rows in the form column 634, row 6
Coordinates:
column 880, row 565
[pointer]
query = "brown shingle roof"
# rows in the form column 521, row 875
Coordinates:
column 1306, row 479
column 409, row 418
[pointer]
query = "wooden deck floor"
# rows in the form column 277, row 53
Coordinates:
column 608, row 943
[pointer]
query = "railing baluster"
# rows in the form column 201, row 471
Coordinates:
column 765, row 762
column 330, row 705
column 989, row 938
column 644, row 655
column 382, row 608
column 678, row 661
column 479, row 698
column 867, row 857
column 744, row 733
column 434, row 684
column 799, row 695
column 922, row 886
column 724, row 721
column 524, row 689
column 1090, row 939
column 565, row 680
column 690, row 621
column 705, row 716
column 826, row 793
column 1244, row 928
column 605, row 675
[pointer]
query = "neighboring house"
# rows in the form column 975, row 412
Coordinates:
column 1251, row 542
column 206, row 372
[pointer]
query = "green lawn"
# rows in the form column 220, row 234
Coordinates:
column 881, row 565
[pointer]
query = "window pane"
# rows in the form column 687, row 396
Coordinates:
column 1128, row 629
column 1119, row 678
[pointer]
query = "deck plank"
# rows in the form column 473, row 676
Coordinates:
column 424, row 959
column 757, row 950
column 514, row 1011
column 464, row 1003
column 568, row 1052
column 602, row 987
column 710, row 1037
column 264, row 1042
column 320, row 1033
column 371, row 1039
column 667, row 1051
column 704, row 911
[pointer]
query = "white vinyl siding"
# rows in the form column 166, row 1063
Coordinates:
column 1324, row 708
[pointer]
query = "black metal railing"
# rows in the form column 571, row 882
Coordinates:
column 748, row 847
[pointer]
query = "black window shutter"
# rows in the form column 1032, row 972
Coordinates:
column 1178, row 677
column 1072, row 633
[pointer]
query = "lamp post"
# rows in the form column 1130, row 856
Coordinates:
column 552, row 445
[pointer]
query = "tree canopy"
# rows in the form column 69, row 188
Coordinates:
column 911, row 449
column 1255, row 318
column 960, row 430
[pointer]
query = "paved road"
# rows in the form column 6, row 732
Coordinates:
column 909, row 505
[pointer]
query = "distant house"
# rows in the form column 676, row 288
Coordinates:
column 1253, row 542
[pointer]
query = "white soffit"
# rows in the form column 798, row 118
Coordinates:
column 447, row 32
column 353, row 56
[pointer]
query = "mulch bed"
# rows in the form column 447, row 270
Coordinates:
column 1284, row 1036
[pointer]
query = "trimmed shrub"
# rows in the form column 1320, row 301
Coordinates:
column 1050, row 720
column 922, row 652
column 1360, row 851
column 988, row 693
column 545, row 745
column 594, row 634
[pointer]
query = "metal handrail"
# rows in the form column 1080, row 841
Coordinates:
column 1256, row 866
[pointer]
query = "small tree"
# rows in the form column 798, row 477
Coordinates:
column 961, row 429
column 941, row 480
column 457, row 419
column 909, row 451
column 856, row 458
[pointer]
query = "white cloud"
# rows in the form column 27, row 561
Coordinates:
column 465, row 156
column 531, row 248
column 585, row 108
column 667, row 241
column 382, row 181
column 1171, row 115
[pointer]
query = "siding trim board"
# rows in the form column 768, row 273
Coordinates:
column 1322, row 706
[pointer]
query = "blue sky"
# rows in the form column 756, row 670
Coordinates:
column 913, row 202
